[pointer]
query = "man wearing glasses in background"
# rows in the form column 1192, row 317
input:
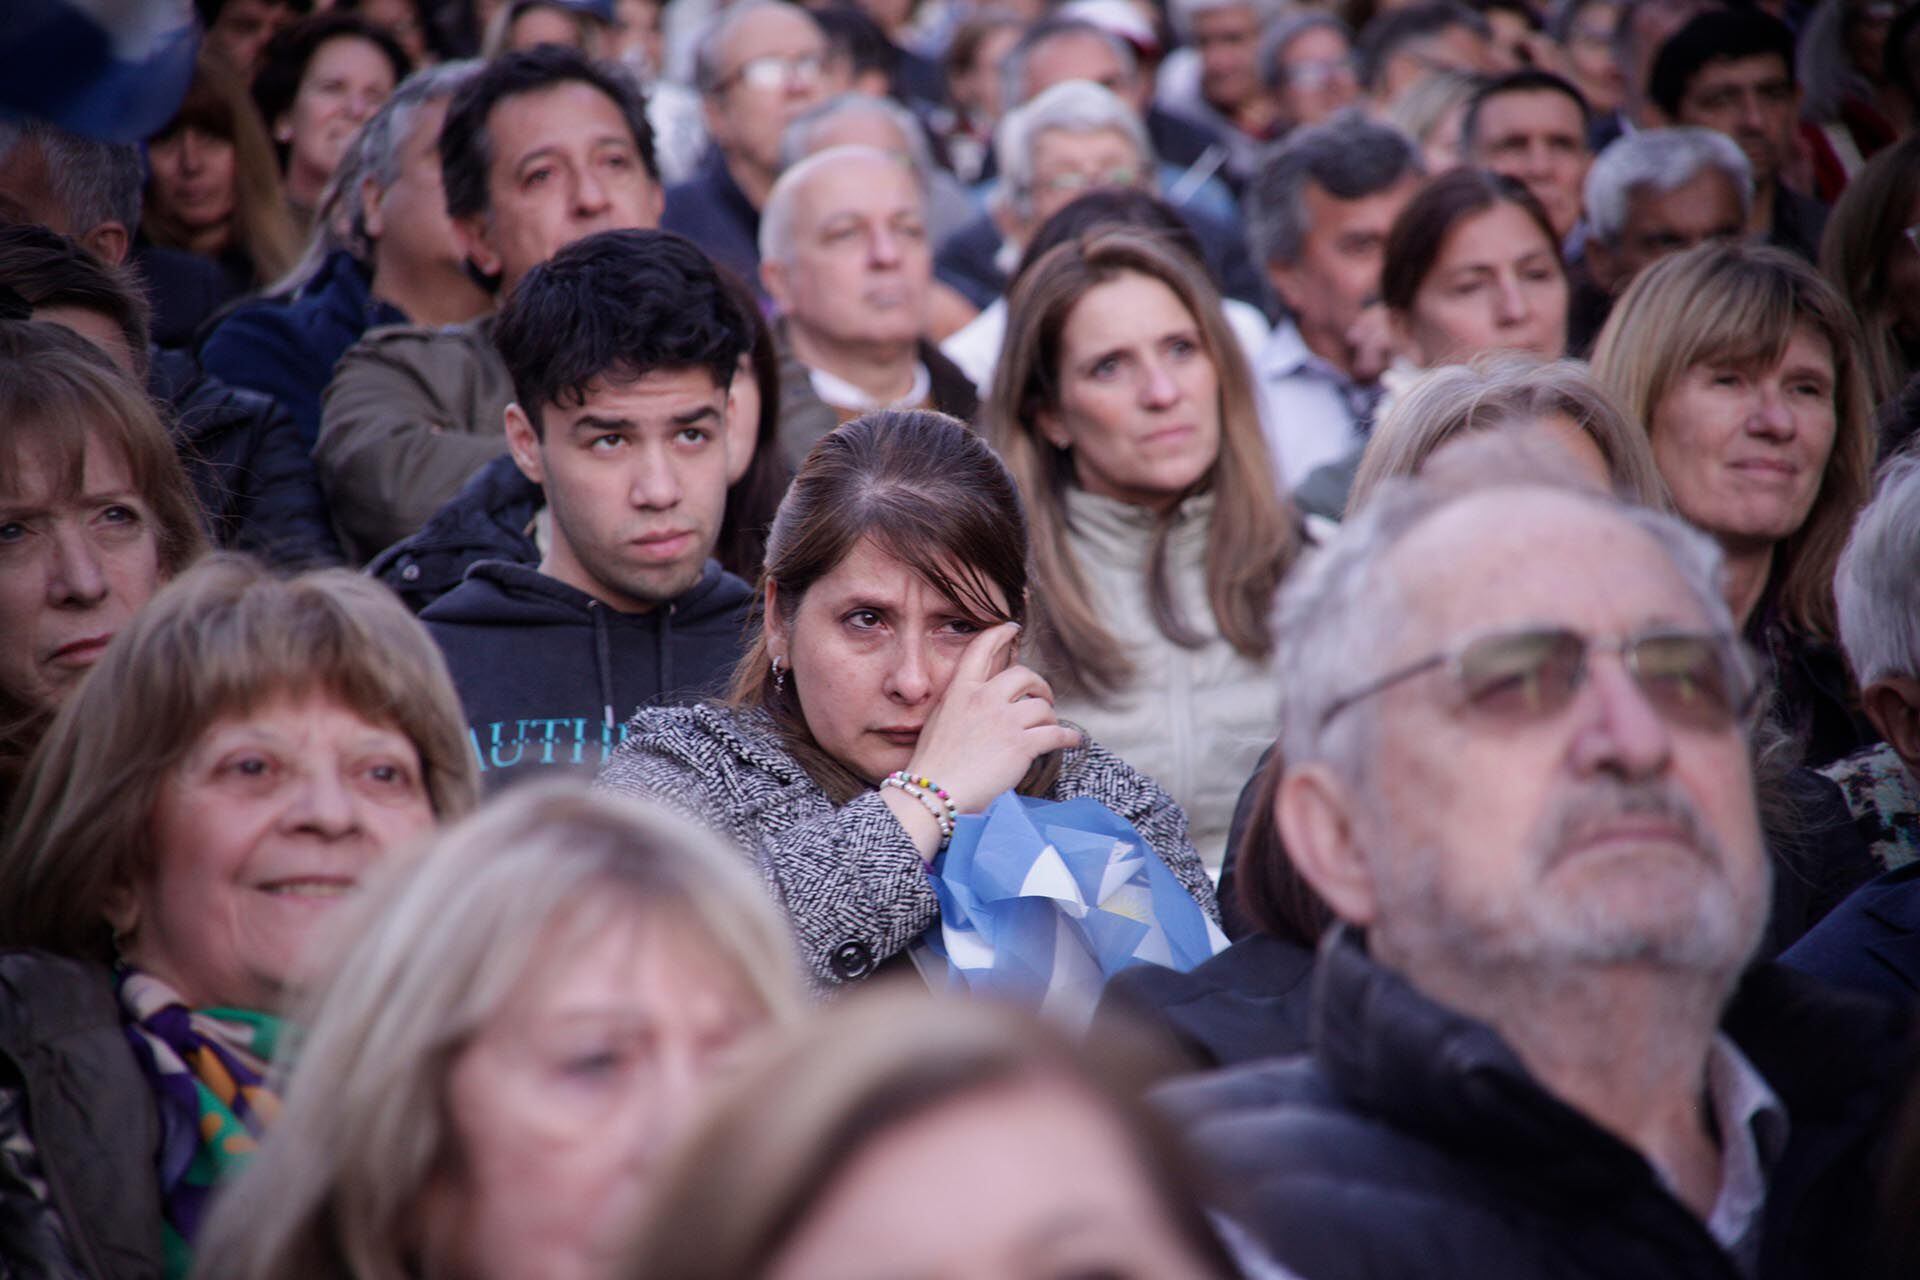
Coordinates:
column 757, row 67
column 1515, row 721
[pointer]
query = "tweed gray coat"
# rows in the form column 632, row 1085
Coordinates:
column 853, row 885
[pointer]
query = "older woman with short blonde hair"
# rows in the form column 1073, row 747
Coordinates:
column 245, row 754
column 1743, row 365
column 520, row 1019
column 1555, row 404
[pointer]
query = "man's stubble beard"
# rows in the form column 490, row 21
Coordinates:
column 1678, row 911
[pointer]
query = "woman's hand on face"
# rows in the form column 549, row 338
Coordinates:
column 995, row 719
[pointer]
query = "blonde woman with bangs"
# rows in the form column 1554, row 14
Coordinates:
column 520, row 1020
column 242, row 756
column 1125, row 410
column 95, row 514
column 1742, row 364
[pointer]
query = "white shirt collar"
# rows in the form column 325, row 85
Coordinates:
column 842, row 394
column 1752, row 1125
column 1287, row 355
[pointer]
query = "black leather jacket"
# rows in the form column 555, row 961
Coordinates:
column 79, row 1191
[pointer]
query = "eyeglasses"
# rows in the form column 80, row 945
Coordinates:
column 1693, row 679
column 1122, row 177
column 775, row 71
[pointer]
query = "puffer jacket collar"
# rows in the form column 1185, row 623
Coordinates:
column 1447, row 1077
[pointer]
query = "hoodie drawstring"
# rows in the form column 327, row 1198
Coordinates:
column 603, row 663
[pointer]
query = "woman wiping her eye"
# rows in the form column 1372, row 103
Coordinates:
column 884, row 696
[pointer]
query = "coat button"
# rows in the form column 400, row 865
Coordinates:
column 410, row 574
column 851, row 960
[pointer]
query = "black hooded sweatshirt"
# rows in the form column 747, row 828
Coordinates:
column 550, row 676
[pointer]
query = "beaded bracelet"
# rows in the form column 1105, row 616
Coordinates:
column 934, row 799
column 953, row 811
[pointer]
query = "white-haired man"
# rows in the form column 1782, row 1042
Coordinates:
column 845, row 258
column 1070, row 139
column 1649, row 194
column 1515, row 727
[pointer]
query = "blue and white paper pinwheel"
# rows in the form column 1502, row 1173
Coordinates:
column 1041, row 901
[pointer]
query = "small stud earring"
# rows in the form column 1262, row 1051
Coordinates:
column 779, row 665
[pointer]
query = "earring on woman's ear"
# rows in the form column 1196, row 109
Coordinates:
column 779, row 667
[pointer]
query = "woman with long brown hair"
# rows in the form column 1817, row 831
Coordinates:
column 884, row 696
column 1743, row 364
column 1125, row 410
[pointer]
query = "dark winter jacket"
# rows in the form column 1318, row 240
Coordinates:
column 1872, row 940
column 243, row 455
column 287, row 349
column 487, row 520
column 1251, row 1001
column 1412, row 1142
column 79, row 1131
column 550, row 676
column 710, row 209
column 184, row 288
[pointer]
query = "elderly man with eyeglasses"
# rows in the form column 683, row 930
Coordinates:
column 758, row 66
column 1516, row 722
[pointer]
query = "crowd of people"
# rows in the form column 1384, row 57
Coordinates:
column 878, row 638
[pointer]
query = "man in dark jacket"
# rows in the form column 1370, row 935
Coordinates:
column 621, row 350
column 1526, row 793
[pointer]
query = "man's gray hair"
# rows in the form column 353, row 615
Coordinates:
column 797, row 143
column 1340, row 608
column 1349, row 156
column 709, row 49
column 1665, row 160
column 375, row 150
column 776, row 220
column 1013, row 66
column 1076, row 106
column 94, row 181
column 1876, row 586
column 1284, row 31
column 1182, row 12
